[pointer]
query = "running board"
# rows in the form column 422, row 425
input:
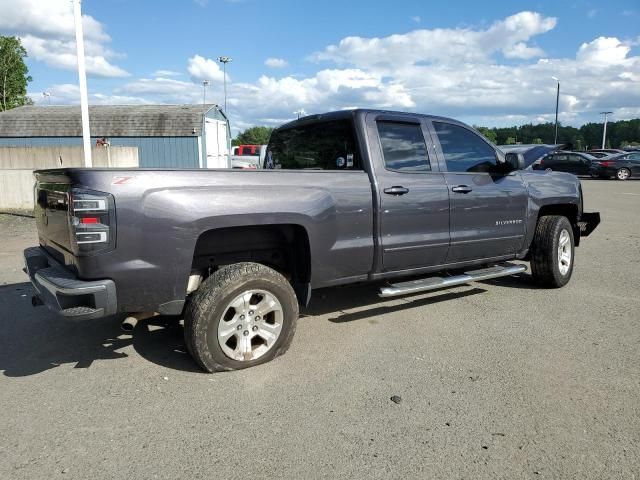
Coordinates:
column 433, row 283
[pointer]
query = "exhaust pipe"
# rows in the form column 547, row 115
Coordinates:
column 129, row 323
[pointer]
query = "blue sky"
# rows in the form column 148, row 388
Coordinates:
column 484, row 62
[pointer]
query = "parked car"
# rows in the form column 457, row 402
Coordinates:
column 249, row 161
column 621, row 166
column 351, row 196
column 577, row 163
column 598, row 154
column 532, row 153
column 608, row 151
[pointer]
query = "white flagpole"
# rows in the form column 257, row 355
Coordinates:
column 82, row 80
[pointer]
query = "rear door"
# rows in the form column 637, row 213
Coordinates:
column 413, row 196
column 487, row 208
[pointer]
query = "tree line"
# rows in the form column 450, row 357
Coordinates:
column 619, row 134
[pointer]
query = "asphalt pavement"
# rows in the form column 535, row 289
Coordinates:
column 493, row 380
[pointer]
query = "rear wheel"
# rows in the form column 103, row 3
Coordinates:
column 552, row 252
column 623, row 174
column 243, row 315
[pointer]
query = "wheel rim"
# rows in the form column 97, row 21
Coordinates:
column 250, row 325
column 564, row 252
column 623, row 174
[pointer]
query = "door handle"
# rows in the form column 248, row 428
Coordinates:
column 462, row 189
column 396, row 190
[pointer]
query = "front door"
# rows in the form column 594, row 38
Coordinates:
column 413, row 195
column 487, row 207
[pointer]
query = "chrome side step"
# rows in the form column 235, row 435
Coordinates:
column 433, row 283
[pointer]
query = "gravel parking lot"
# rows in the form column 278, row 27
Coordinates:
column 496, row 380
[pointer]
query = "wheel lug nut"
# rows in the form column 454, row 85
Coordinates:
column 255, row 328
column 257, row 317
column 250, row 312
column 239, row 327
column 241, row 317
column 245, row 333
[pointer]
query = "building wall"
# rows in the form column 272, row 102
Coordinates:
column 36, row 158
column 159, row 152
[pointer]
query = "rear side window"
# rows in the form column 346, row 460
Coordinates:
column 317, row 146
column 463, row 150
column 403, row 147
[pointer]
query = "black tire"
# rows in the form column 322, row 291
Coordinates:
column 623, row 174
column 208, row 305
column 545, row 263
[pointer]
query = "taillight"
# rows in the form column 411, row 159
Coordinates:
column 605, row 163
column 92, row 221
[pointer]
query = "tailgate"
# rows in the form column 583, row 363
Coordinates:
column 52, row 209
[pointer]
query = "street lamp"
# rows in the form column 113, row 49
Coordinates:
column 604, row 131
column 224, row 61
column 555, row 138
column 47, row 95
column 205, row 84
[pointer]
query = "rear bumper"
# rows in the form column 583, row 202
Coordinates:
column 60, row 290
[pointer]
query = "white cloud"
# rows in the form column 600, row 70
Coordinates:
column 166, row 73
column 69, row 94
column 272, row 62
column 201, row 68
column 46, row 29
column 416, row 19
column 604, row 51
column 442, row 46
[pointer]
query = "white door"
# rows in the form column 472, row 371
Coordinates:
column 216, row 145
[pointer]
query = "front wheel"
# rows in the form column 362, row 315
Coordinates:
column 623, row 174
column 243, row 315
column 552, row 252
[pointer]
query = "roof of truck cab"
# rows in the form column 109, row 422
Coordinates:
column 107, row 120
column 351, row 113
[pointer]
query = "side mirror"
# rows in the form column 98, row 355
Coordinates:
column 515, row 160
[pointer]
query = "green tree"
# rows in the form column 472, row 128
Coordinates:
column 488, row 133
column 510, row 141
column 14, row 74
column 537, row 140
column 253, row 136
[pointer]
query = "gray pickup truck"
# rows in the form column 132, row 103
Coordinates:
column 346, row 197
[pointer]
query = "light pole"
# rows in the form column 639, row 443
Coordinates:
column 300, row 113
column 555, row 138
column 82, row 83
column 47, row 95
column 604, row 131
column 224, row 61
column 205, row 84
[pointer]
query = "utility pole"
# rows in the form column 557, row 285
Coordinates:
column 604, row 131
column 47, row 95
column 205, row 84
column 300, row 113
column 555, row 138
column 82, row 80
column 224, row 61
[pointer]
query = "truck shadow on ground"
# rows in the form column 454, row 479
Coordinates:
column 337, row 302
column 34, row 340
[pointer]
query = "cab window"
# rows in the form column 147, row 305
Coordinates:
column 327, row 145
column 463, row 150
